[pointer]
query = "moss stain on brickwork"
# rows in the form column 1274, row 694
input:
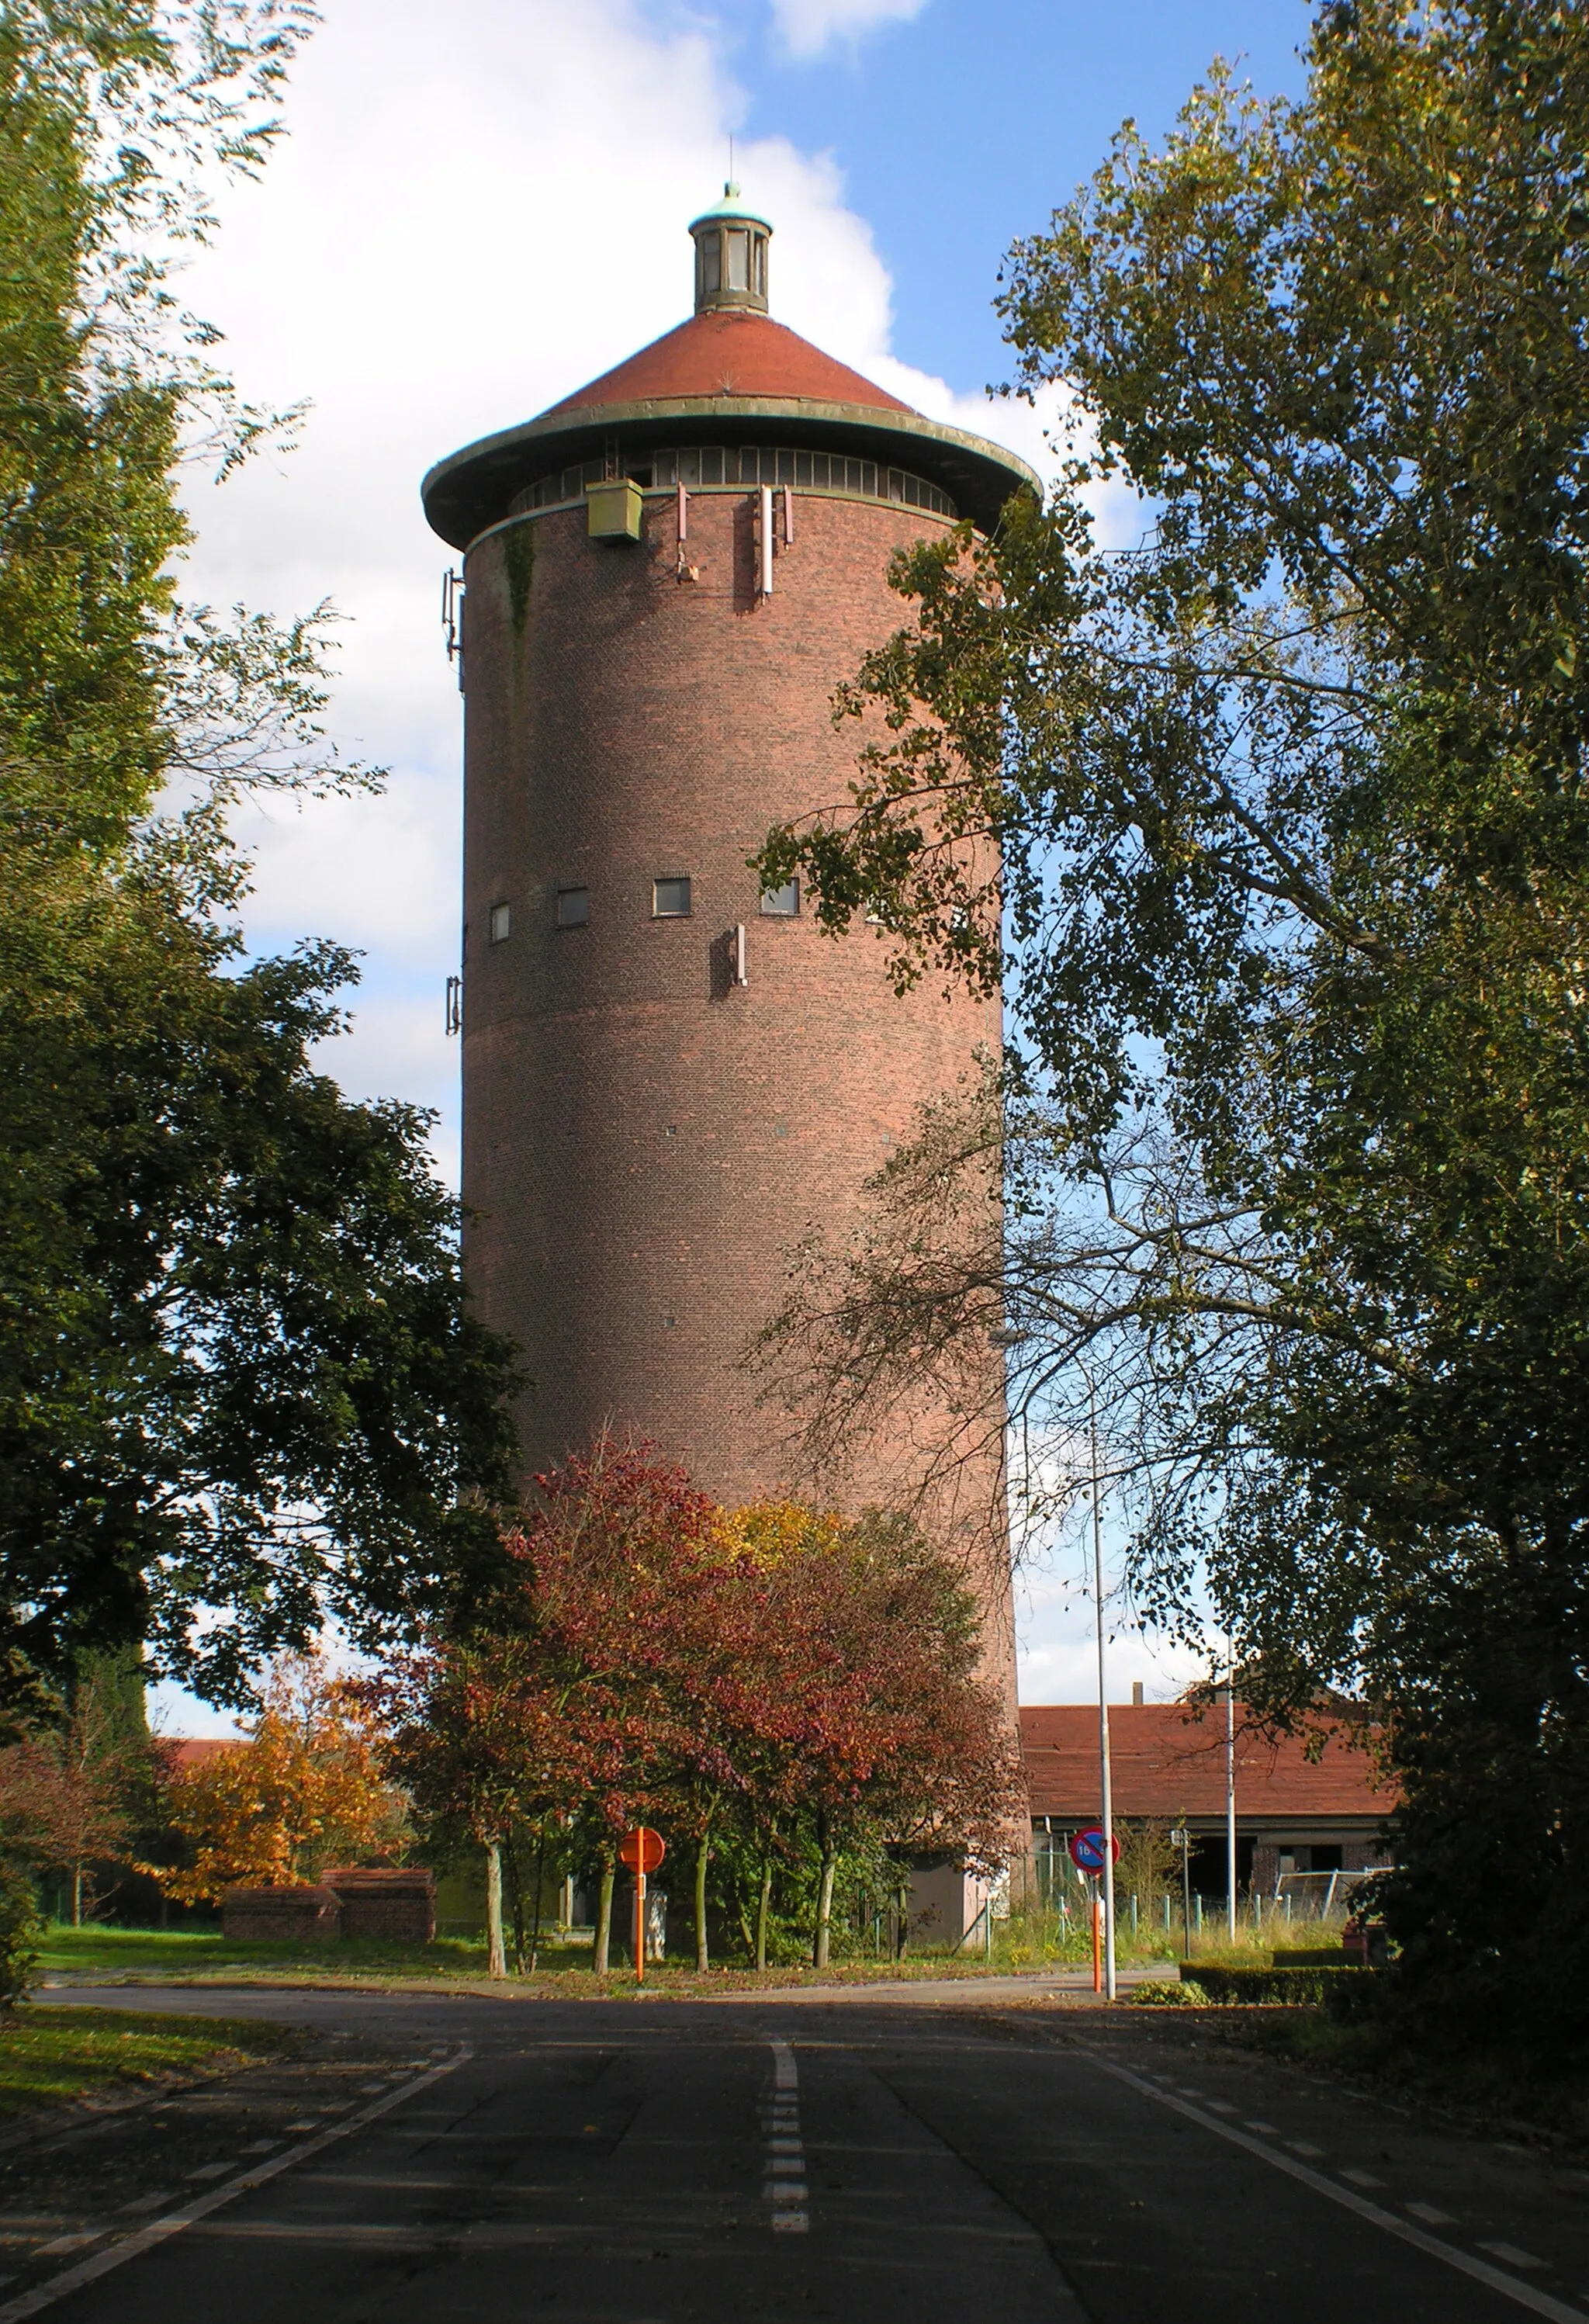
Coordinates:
column 517, row 548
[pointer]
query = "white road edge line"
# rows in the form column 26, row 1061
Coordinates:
column 88, row 2270
column 1512, row 2287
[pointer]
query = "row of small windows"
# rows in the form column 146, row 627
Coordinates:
column 670, row 900
column 701, row 467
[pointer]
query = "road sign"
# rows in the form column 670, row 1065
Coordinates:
column 1086, row 1850
column 643, row 1849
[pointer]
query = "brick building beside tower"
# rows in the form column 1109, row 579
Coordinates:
column 670, row 1080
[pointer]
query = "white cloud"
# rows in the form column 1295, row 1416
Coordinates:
column 806, row 27
column 1056, row 1653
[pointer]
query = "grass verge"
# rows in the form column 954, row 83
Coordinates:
column 49, row 2056
column 205, row 1957
column 1488, row 2090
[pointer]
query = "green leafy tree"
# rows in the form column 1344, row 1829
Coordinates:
column 1277, row 825
column 239, row 1384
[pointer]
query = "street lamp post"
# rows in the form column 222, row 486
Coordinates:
column 1103, row 1767
column 1230, row 1792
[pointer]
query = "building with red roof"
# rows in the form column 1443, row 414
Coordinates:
column 1304, row 1803
column 192, row 1751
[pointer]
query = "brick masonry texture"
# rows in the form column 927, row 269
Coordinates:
column 645, row 1145
column 284, row 1916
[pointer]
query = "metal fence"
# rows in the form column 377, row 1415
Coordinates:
column 1320, row 1896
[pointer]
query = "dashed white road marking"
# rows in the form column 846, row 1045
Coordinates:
column 1362, row 2178
column 199, row 2207
column 784, row 2177
column 1483, row 2271
column 1431, row 2214
column 1268, row 2129
column 1303, row 2147
column 1510, row 2255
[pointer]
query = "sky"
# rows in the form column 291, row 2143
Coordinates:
column 478, row 208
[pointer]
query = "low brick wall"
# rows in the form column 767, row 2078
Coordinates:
column 288, row 1915
column 399, row 1905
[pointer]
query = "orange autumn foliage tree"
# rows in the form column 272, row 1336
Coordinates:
column 304, row 1791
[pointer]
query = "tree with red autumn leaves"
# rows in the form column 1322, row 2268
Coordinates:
column 475, row 1737
column 868, row 1641
column 773, row 1674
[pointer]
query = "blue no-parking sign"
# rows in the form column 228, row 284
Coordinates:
column 1086, row 1850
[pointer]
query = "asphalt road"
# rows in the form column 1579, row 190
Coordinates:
column 647, row 2164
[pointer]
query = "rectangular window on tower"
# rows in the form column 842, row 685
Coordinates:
column 501, row 923
column 670, row 900
column 573, row 908
column 737, row 251
column 782, row 903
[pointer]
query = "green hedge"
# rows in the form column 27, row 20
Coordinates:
column 1297, row 1985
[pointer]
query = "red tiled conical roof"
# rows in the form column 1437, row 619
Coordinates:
column 730, row 352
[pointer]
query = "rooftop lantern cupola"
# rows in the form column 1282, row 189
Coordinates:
column 730, row 255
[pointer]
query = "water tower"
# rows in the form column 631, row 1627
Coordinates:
column 670, row 1079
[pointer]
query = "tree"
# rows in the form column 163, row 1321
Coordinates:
column 304, row 1790
column 476, row 1743
column 1290, row 803
column 887, row 1739
column 553, row 1708
column 624, row 1576
column 747, row 1681
column 70, row 1793
column 240, row 1387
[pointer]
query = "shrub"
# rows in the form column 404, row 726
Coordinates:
column 21, row 1927
column 1164, row 1993
column 1295, row 1986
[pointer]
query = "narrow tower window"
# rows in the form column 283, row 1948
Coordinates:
column 670, row 900
column 738, row 246
column 782, row 903
column 573, row 908
column 501, row 923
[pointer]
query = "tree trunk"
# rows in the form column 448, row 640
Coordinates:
column 539, row 1879
column 496, row 1960
column 603, row 1917
column 516, row 1898
column 703, row 1959
column 819, row 1950
column 763, row 1907
column 76, row 1895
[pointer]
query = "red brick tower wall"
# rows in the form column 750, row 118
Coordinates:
column 645, row 1143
